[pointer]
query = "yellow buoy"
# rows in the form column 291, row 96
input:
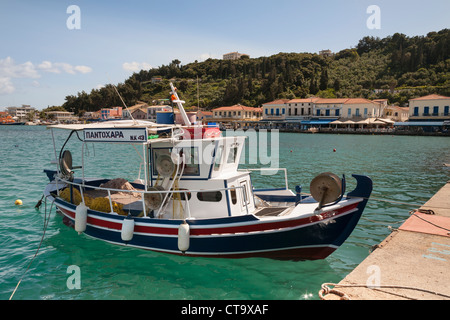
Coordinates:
column 18, row 202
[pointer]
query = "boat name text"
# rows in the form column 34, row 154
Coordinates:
column 104, row 134
column 115, row 135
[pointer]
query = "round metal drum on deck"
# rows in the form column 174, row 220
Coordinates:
column 326, row 188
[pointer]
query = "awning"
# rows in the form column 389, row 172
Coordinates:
column 318, row 121
column 365, row 121
column 420, row 123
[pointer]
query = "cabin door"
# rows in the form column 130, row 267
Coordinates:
column 245, row 200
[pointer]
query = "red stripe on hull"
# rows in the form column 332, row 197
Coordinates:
column 199, row 231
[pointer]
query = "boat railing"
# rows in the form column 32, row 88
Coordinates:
column 271, row 169
column 82, row 186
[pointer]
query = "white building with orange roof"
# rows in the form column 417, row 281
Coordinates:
column 275, row 110
column 329, row 107
column 300, row 108
column 360, row 108
column 236, row 112
column 431, row 107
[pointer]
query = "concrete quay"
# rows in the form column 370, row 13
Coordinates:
column 412, row 263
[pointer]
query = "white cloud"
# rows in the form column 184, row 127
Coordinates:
column 59, row 67
column 9, row 69
column 47, row 66
column 6, row 86
column 136, row 66
column 83, row 69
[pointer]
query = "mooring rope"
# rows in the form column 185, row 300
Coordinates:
column 46, row 221
column 413, row 212
column 327, row 290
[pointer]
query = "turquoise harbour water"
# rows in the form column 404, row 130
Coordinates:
column 406, row 169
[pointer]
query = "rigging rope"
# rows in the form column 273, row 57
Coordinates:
column 46, row 221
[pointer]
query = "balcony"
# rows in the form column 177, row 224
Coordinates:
column 430, row 115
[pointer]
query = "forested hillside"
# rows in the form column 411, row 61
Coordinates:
column 403, row 67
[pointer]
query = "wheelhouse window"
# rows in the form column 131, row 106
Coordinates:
column 233, row 195
column 191, row 155
column 209, row 196
column 218, row 158
column 233, row 154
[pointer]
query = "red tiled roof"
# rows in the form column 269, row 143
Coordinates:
column 329, row 101
column 237, row 107
column 279, row 101
column 430, row 97
column 305, row 100
column 357, row 101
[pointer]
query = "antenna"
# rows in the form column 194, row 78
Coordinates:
column 115, row 88
column 198, row 97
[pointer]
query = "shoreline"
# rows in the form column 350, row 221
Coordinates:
column 392, row 132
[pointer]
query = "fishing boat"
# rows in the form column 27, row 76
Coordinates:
column 194, row 200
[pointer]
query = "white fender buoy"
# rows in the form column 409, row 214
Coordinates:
column 127, row 229
column 183, row 237
column 80, row 218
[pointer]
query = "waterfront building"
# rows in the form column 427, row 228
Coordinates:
column 275, row 110
column 431, row 107
column 20, row 113
column 428, row 114
column 329, row 108
column 138, row 111
column 91, row 115
column 359, row 108
column 298, row 109
column 314, row 112
column 111, row 113
column 233, row 116
column 204, row 116
column 382, row 105
column 61, row 116
column 396, row 113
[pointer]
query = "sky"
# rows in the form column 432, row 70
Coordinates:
column 52, row 49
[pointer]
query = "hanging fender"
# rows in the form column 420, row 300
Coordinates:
column 127, row 230
column 183, row 237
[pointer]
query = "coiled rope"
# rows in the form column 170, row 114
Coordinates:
column 46, row 221
column 343, row 296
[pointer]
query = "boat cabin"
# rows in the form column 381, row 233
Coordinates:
column 189, row 172
column 209, row 166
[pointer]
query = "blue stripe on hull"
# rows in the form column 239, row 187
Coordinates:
column 331, row 233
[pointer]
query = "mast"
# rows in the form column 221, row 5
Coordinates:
column 180, row 106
